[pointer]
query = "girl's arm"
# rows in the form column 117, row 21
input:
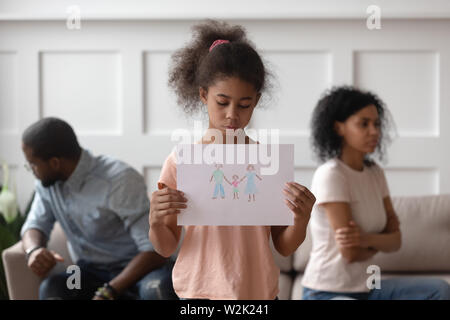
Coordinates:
column 242, row 179
column 164, row 233
column 340, row 217
column 300, row 200
column 258, row 177
column 227, row 180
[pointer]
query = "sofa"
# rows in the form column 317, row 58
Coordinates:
column 424, row 221
column 425, row 226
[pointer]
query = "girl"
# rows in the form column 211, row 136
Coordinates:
column 221, row 69
column 250, row 188
column 235, row 185
column 354, row 218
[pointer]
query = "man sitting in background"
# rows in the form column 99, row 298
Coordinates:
column 102, row 206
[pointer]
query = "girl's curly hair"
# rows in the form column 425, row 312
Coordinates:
column 338, row 104
column 194, row 66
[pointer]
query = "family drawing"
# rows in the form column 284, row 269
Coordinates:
column 250, row 188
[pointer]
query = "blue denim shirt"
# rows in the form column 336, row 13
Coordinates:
column 103, row 209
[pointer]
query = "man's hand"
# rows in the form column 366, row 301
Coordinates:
column 351, row 236
column 41, row 261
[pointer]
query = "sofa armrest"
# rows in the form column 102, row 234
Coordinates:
column 23, row 284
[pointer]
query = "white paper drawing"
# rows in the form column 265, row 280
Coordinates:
column 224, row 192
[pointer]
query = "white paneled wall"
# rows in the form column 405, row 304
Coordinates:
column 302, row 76
column 84, row 88
column 109, row 80
column 8, row 92
column 415, row 74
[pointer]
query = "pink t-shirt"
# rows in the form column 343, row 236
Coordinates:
column 222, row 262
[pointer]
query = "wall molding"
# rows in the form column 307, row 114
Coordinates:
column 48, row 10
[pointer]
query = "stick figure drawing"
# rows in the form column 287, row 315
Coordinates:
column 235, row 184
column 250, row 188
column 218, row 177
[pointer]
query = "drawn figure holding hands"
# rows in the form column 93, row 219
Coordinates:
column 250, row 188
column 235, row 184
column 218, row 176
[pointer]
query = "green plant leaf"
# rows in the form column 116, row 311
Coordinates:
column 7, row 239
column 2, row 220
column 3, row 287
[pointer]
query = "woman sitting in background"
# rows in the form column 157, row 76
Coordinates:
column 353, row 217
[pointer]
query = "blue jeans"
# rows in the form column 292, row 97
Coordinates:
column 156, row 285
column 216, row 190
column 391, row 289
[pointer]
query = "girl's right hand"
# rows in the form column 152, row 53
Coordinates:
column 165, row 202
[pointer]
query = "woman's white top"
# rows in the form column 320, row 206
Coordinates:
column 334, row 181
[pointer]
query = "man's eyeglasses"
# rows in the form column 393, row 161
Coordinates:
column 28, row 167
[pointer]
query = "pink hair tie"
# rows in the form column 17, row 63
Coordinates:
column 217, row 42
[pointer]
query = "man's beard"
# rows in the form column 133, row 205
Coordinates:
column 49, row 182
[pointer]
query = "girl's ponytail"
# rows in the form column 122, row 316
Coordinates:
column 196, row 66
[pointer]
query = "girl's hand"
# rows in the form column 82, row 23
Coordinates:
column 299, row 199
column 165, row 202
column 351, row 236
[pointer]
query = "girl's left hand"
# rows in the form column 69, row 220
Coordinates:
column 299, row 199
